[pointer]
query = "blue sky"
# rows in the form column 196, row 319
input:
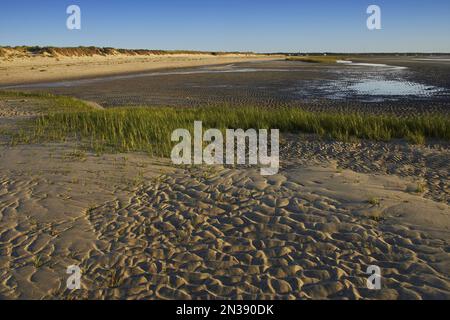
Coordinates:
column 227, row 25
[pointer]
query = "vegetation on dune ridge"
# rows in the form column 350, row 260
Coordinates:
column 91, row 51
column 149, row 128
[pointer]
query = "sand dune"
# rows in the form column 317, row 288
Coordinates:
column 18, row 69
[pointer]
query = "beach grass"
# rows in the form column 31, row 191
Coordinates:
column 83, row 51
column 149, row 129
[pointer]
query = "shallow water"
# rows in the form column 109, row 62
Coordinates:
column 372, row 82
column 371, row 89
column 393, row 88
column 375, row 65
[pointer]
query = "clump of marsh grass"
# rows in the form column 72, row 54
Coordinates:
column 38, row 261
column 415, row 138
column 149, row 129
column 374, row 201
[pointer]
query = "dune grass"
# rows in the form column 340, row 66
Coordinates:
column 83, row 51
column 149, row 129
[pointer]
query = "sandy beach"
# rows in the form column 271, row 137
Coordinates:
column 141, row 228
column 18, row 68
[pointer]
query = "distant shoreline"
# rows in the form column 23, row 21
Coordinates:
column 25, row 67
column 49, row 51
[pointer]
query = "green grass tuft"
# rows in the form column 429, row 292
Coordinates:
column 374, row 201
column 149, row 129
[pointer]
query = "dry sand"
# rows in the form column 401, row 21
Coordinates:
column 31, row 69
column 428, row 165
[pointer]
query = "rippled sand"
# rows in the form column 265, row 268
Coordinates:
column 140, row 229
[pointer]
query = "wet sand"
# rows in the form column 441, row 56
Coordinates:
column 418, row 87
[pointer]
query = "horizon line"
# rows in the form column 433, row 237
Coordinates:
column 221, row 51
